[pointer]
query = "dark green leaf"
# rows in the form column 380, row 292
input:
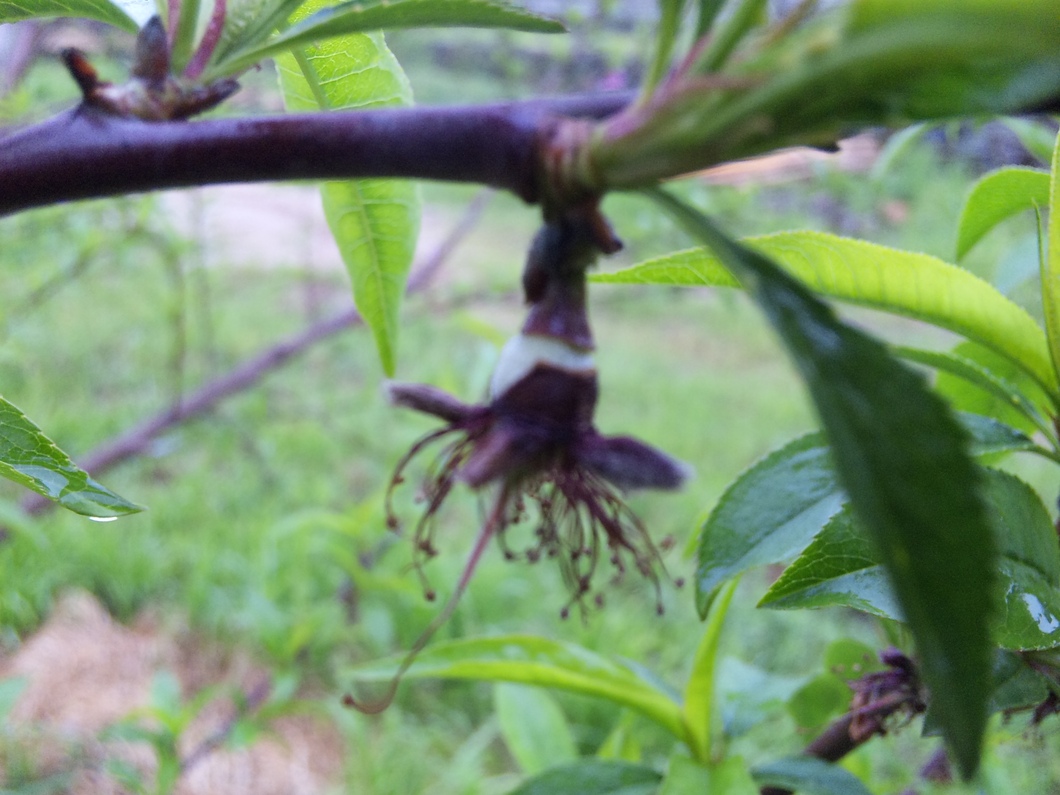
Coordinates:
column 997, row 196
column 707, row 14
column 533, row 726
column 536, row 661
column 101, row 10
column 840, row 567
column 30, row 458
column 593, row 777
column 991, row 437
column 769, row 514
column 775, row 509
column 903, row 460
column 809, row 776
column 1016, row 684
column 363, row 17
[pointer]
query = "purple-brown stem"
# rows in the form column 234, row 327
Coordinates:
column 85, row 153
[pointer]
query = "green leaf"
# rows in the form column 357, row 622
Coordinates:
column 30, row 458
column 769, row 514
column 533, row 727
column 992, row 437
column 100, row 10
column 1004, row 400
column 1016, row 684
column 593, row 777
column 809, row 776
column 349, row 18
column 1051, row 264
column 840, row 567
column 964, row 395
column 536, row 661
column 902, row 459
column 671, row 15
column 860, row 63
column 700, row 709
column 1030, row 565
column 730, row 30
column 730, row 776
column 902, row 282
column 997, row 196
column 375, row 222
column 707, row 14
column 775, row 509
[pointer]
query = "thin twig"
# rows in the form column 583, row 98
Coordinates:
column 136, row 440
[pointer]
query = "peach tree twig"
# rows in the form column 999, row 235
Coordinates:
column 88, row 153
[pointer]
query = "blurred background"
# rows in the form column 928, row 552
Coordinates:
column 206, row 635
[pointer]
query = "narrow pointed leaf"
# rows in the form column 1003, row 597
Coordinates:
column 1051, row 263
column 859, row 63
column 30, row 458
column 593, row 777
column 100, row 10
column 700, row 709
column 809, row 776
column 997, row 196
column 903, row 460
column 349, row 18
column 375, row 222
column 906, row 283
column 536, row 661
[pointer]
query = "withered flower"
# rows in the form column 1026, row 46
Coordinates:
column 534, row 440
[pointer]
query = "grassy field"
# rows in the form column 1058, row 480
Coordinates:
column 260, row 514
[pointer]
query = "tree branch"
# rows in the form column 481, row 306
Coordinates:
column 87, row 153
column 137, row 439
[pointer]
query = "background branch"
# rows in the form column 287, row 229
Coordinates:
column 136, row 440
